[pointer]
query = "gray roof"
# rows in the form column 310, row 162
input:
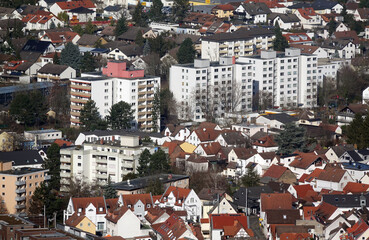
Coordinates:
column 25, row 87
column 281, row 117
column 81, row 10
column 20, row 158
column 338, row 44
column 24, row 66
column 22, row 171
column 122, row 133
column 131, row 50
column 286, row 18
column 143, row 182
column 54, row 69
column 346, row 200
column 339, row 150
column 131, row 33
column 256, row 8
column 4, row 10
column 356, row 157
column 240, row 34
column 253, row 193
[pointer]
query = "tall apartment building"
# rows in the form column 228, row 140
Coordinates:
column 243, row 42
column 291, row 77
column 99, row 160
column 116, row 83
column 206, row 87
column 17, row 186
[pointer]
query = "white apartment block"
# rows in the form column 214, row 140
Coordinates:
column 328, row 68
column 217, row 87
column 97, row 161
column 117, row 83
column 291, row 77
column 243, row 42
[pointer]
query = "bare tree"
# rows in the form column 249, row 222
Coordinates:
column 80, row 187
column 263, row 100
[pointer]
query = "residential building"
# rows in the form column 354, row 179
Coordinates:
column 229, row 226
column 9, row 224
column 117, row 83
column 309, row 19
column 97, row 161
column 253, row 12
column 55, row 73
column 18, row 186
column 38, row 138
column 223, row 11
column 285, row 21
column 81, row 10
column 211, row 88
column 347, row 114
column 139, row 185
column 328, row 68
column 243, row 42
column 41, row 20
column 61, row 37
column 290, row 77
column 23, row 159
column 278, row 120
column 123, row 222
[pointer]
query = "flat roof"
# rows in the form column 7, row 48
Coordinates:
column 143, row 182
column 25, row 87
column 42, row 131
column 22, row 171
column 9, row 219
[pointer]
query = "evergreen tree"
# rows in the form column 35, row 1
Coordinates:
column 90, row 28
column 120, row 116
column 129, row 176
column 146, row 49
column 71, row 56
column 78, row 29
column 155, row 187
column 139, row 16
column 331, row 26
column 251, row 179
column 186, row 52
column 90, row 117
column 53, row 164
column 140, row 41
column 156, row 111
column 156, row 13
column 364, row 4
column 109, row 191
column 88, row 63
column 121, row 26
column 159, row 162
column 280, row 43
column 56, row 59
column 292, row 138
column 143, row 163
column 63, row 16
column 29, row 108
column 357, row 131
column 180, row 9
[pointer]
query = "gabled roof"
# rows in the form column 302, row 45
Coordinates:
column 196, row 159
column 310, row 177
column 19, row 158
column 270, row 201
column 54, row 69
column 332, row 175
column 357, row 229
column 36, row 46
column 305, row 160
column 354, row 187
column 275, row 171
column 74, row 220
column 83, row 203
column 116, row 214
column 303, row 190
column 307, row 13
column 297, row 38
column 267, row 141
column 286, row 18
column 131, row 33
column 224, row 7
column 212, row 148
column 81, row 10
column 131, row 50
column 244, row 153
column 75, row 4
column 171, row 146
column 210, row 194
column 173, row 228
column 179, row 193
column 234, row 138
column 219, row 221
column 281, row 117
column 257, row 8
column 132, row 199
column 88, row 39
column 363, row 13
column 356, row 108
column 341, row 149
column 347, row 35
column 282, row 216
column 207, row 134
column 242, row 33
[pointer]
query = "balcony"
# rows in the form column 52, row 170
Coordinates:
column 223, row 51
column 223, row 46
column 150, row 85
column 248, row 43
column 75, row 107
column 20, row 183
column 20, row 199
column 103, row 176
column 47, row 177
column 20, row 191
column 80, row 87
column 20, row 206
column 78, row 100
column 80, row 94
column 64, row 167
column 78, row 114
column 65, row 175
column 101, row 160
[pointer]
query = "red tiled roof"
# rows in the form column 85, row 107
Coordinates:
column 171, row 146
column 115, row 215
column 207, row 125
column 207, row 134
column 310, row 177
column 306, row 12
column 212, row 148
column 219, row 221
column 275, row 171
column 354, row 187
column 224, row 7
column 325, row 211
column 179, row 193
column 347, row 35
column 61, row 37
column 329, row 127
column 304, row 160
column 74, row 220
column 132, row 199
column 76, row 4
column 266, row 141
column 302, row 190
column 295, row 236
column 275, row 201
column 244, row 153
column 359, row 228
column 97, row 202
column 173, row 227
column 332, row 175
column 62, row 143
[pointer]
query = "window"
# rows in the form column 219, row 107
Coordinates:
column 79, row 164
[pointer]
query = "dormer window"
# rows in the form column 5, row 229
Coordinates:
column 100, row 209
column 129, row 206
column 148, row 205
column 79, row 210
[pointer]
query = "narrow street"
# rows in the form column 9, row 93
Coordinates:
column 254, row 225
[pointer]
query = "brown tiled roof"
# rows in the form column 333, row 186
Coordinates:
column 363, row 12
column 209, row 194
column 357, row 108
column 207, row 125
column 212, row 148
column 354, row 187
column 275, row 171
column 307, row 49
column 245, row 153
column 332, row 175
column 173, row 227
column 54, row 69
column 267, row 155
column 270, row 201
column 74, row 220
column 283, row 216
column 196, row 159
column 347, row 35
column 224, row 7
column 267, row 141
column 88, row 39
column 304, row 160
column 132, row 199
column 115, row 215
column 324, row 211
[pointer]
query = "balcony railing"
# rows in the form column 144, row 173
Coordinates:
column 19, row 199
column 20, row 183
column 19, row 191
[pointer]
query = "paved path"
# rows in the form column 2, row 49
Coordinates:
column 254, row 225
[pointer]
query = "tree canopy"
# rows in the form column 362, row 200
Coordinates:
column 292, row 138
column 186, row 52
column 139, row 16
column 90, row 117
column 121, row 26
column 280, row 43
column 156, row 13
column 180, row 9
column 71, row 56
column 120, row 116
column 109, row 191
column 29, row 108
column 150, row 164
column 88, row 63
column 52, row 162
column 357, row 131
column 251, row 178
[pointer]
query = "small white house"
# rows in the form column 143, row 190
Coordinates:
column 123, row 222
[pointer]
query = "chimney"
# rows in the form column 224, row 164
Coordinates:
column 113, row 138
column 101, row 141
column 234, row 60
column 129, row 182
column 170, row 176
column 204, row 129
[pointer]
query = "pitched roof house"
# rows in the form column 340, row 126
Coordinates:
column 229, row 226
column 61, row 38
column 123, row 222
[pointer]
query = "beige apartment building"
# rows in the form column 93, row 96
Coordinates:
column 17, row 186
